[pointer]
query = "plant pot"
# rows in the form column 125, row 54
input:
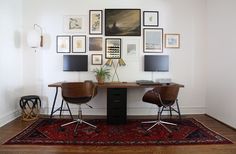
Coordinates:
column 100, row 79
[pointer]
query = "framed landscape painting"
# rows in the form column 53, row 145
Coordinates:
column 122, row 22
column 153, row 40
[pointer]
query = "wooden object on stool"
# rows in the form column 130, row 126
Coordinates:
column 30, row 106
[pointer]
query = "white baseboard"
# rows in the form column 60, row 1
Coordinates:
column 130, row 111
column 9, row 117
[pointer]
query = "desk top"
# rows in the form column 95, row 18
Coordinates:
column 123, row 85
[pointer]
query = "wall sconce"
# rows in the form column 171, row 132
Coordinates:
column 35, row 37
column 120, row 62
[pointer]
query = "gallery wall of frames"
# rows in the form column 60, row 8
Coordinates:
column 111, row 26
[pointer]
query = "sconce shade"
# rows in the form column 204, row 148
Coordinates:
column 109, row 62
column 121, row 62
column 33, row 39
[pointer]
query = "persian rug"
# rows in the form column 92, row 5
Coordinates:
column 48, row 132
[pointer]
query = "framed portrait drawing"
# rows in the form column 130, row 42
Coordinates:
column 96, row 59
column 63, row 43
column 122, row 22
column 95, row 43
column 74, row 24
column 95, row 22
column 113, row 48
column 150, row 18
column 79, row 43
column 153, row 40
column 172, row 40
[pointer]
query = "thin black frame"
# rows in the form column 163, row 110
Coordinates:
column 114, row 17
column 145, row 50
column 92, row 59
column 90, row 22
column 151, row 25
column 57, row 45
column 78, row 36
column 113, row 54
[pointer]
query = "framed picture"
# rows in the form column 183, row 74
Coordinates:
column 95, row 43
column 172, row 40
column 113, row 48
column 150, row 18
column 131, row 47
column 122, row 22
column 79, row 43
column 95, row 22
column 74, row 24
column 96, row 59
column 153, row 40
column 63, row 44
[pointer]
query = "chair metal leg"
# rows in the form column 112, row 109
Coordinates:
column 159, row 121
column 78, row 121
column 177, row 104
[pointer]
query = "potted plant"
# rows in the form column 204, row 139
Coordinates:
column 101, row 74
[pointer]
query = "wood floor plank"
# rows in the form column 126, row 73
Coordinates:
column 18, row 125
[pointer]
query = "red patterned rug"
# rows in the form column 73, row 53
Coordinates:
column 47, row 132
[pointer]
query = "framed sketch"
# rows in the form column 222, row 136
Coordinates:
column 63, row 44
column 113, row 48
column 131, row 47
column 122, row 22
column 73, row 24
column 95, row 43
column 150, row 18
column 95, row 22
column 96, row 59
column 153, row 40
column 172, row 40
column 79, row 43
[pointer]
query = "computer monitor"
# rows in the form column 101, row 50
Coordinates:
column 156, row 63
column 75, row 62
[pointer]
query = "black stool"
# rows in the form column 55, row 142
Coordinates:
column 30, row 106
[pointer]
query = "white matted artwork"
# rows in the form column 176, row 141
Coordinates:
column 75, row 23
column 131, row 47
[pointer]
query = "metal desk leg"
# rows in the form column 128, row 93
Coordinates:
column 54, row 102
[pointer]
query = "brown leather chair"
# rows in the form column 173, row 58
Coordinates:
column 162, row 96
column 78, row 93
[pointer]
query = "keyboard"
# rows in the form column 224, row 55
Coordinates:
column 145, row 82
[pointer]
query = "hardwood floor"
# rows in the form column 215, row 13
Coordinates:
column 17, row 125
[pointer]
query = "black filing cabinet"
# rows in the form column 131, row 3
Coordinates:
column 116, row 105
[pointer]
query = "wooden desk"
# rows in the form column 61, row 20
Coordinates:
column 116, row 98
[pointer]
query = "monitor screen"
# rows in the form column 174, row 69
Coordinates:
column 156, row 63
column 75, row 62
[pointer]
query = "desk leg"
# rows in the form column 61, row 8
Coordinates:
column 54, row 102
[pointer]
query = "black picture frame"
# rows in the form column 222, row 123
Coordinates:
column 151, row 18
column 122, row 22
column 96, row 59
column 113, row 48
column 78, row 43
column 63, row 43
column 95, row 22
column 153, row 40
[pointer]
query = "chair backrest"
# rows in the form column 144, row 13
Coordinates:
column 78, row 92
column 168, row 95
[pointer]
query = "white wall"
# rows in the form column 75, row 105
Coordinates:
column 221, row 70
column 187, row 64
column 10, row 59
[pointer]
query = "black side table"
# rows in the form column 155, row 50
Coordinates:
column 30, row 106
